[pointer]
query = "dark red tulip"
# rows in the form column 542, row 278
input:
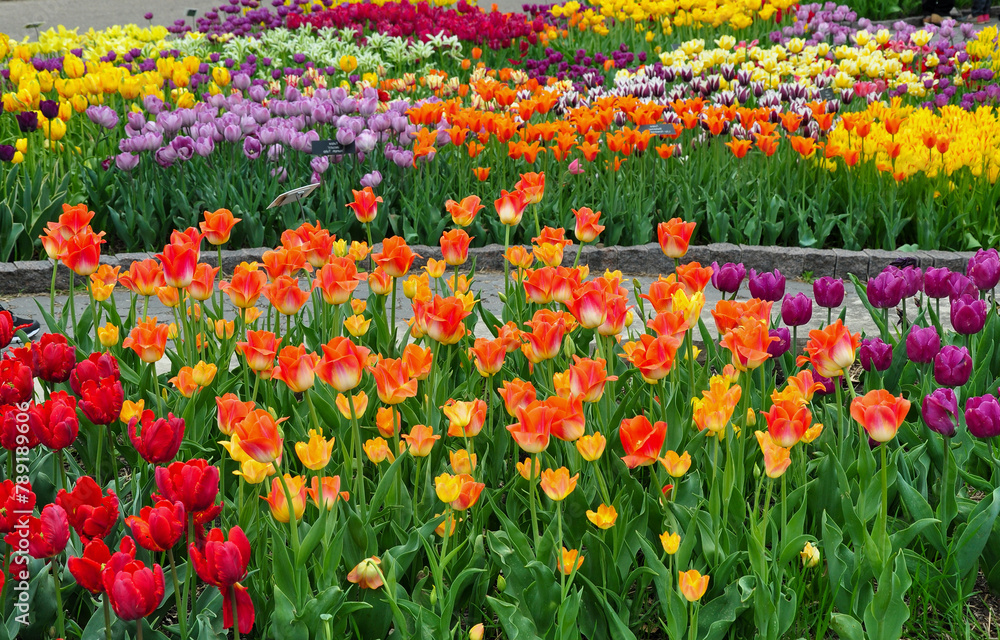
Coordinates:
column 96, row 367
column 194, row 483
column 157, row 441
column 159, row 527
column 55, row 422
column 101, row 400
column 15, row 427
column 91, row 513
column 47, row 534
column 133, row 589
column 14, row 498
column 223, row 564
column 51, row 358
column 16, row 383
column 6, row 329
column 88, row 569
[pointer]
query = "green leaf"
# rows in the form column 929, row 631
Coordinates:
column 885, row 616
column 516, row 625
column 847, row 627
column 972, row 540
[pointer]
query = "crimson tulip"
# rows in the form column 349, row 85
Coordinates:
column 48, row 533
column 101, row 400
column 156, row 440
column 195, row 484
column 15, row 381
column 133, row 589
column 6, row 329
column 15, row 428
column 55, row 422
column 223, row 563
column 158, row 528
column 52, row 357
column 91, row 513
column 14, row 498
column 88, row 568
column 96, row 367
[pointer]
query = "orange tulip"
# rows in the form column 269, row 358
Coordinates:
column 831, row 349
column 468, row 494
column 727, row 313
column 377, row 450
column 392, row 383
column 184, row 382
column 203, row 283
column 510, row 206
column 516, row 394
column 461, row 461
column 143, row 278
column 342, row 364
column 488, row 356
column 777, row 459
column 739, row 147
column 148, row 339
column 387, row 420
column 482, row 173
column 694, row 277
column 654, row 357
column 715, row 408
column 285, row 295
column 591, row 447
column 674, row 237
column 604, row 517
column 315, row 453
column 286, row 261
column 787, row 422
column 326, row 491
column 748, row 343
column 443, row 319
column 455, row 246
column 420, row 440
column 805, row 385
column 81, row 252
column 260, row 350
column 571, row 423
column 641, row 440
column 569, row 561
column 395, row 258
column 260, row 437
column 218, row 226
column 103, row 281
column 245, row 286
column 661, row 293
column 179, row 262
column 557, row 484
column 360, row 401
column 367, row 574
column 466, row 418
column 296, row 368
column 880, row 413
column 365, row 205
column 278, row 502
column 589, row 305
column 525, row 470
column 676, row 465
column 231, row 412
column 533, row 186
column 588, row 377
column 464, row 212
column 587, row 224
column 545, row 339
column 534, row 426
column 337, row 280
column 692, row 584
column 380, row 282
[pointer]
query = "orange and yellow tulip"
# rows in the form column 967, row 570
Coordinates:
column 880, row 413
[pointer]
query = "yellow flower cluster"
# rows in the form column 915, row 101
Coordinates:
column 737, row 14
column 120, row 39
column 985, row 49
column 930, row 142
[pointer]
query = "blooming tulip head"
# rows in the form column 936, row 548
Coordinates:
column 875, row 354
column 278, row 501
column 922, row 344
column 952, row 366
column 829, row 292
column 984, row 269
column 218, row 226
column 880, row 413
column 768, row 286
column 729, row 277
column 937, row 282
column 674, row 237
column 641, row 440
column 940, row 411
column 692, row 585
column 982, row 416
column 604, row 517
column 796, row 310
column 133, row 589
column 365, row 205
column 968, row 314
column 91, row 513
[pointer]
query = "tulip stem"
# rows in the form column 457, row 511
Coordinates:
column 189, row 573
column 359, row 481
column 841, row 428
column 236, row 617
column 107, row 615
column 884, row 514
column 531, row 499
column 293, row 524
column 181, row 618
column 114, row 459
column 72, row 305
column 506, row 263
column 52, row 289
column 392, row 327
column 558, row 550
column 693, row 628
column 60, row 619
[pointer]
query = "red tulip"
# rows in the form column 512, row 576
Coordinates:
column 6, row 329
column 642, row 441
column 14, row 498
column 48, row 534
column 15, row 427
column 91, row 513
column 157, row 441
column 101, row 401
column 87, row 569
column 133, row 589
column 15, row 382
column 223, row 563
column 194, row 483
column 95, row 367
column 51, row 358
column 55, row 422
column 159, row 527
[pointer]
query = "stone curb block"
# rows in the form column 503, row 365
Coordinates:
column 32, row 277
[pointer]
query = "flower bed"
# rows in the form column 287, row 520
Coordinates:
column 281, row 458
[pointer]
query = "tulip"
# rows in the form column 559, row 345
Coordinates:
column 194, row 484
column 148, row 339
column 641, row 440
column 982, row 416
column 89, row 512
column 278, row 503
column 809, row 556
column 464, row 212
column 315, row 453
column 715, row 408
column 782, row 342
column 133, row 590
column 952, row 366
column 984, row 269
column 670, row 542
column 558, row 484
column 179, row 262
column 15, row 382
column 420, row 440
column 260, row 350
column 880, row 413
column 796, row 310
column 246, row 285
column 968, row 314
column 158, row 528
column 654, row 357
column 367, row 574
column 777, row 459
column 922, row 344
column 101, row 400
column 875, row 354
column 748, row 343
column 676, row 465
column 55, row 422
column 443, row 319
column 342, row 364
column 829, row 292
column 218, row 226
column 223, row 564
column 692, row 585
column 534, row 426
column 51, row 358
column 831, row 349
column 82, row 252
column 569, row 561
column 787, row 422
column 587, row 224
column 392, row 383
column 940, row 411
column 588, row 377
column 325, row 493
column 533, row 186
column 769, row 286
column 156, row 441
column 469, row 492
column 885, row 290
column 510, row 206
column 203, row 283
column 47, row 535
column 937, row 282
column 455, row 246
column 466, row 419
column 395, row 258
column 604, row 517
column 365, row 205
column 88, row 568
column 674, row 237
column 728, row 277
column 296, row 368
column 488, row 356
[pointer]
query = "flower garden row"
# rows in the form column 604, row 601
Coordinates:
column 793, row 124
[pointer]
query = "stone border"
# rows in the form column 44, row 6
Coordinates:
column 34, row 277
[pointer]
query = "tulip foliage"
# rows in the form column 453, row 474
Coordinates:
column 284, row 458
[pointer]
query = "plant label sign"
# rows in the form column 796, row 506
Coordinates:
column 192, row 13
column 294, row 195
column 659, row 129
column 330, row 148
column 827, row 93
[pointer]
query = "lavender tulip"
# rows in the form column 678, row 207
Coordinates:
column 373, row 179
column 126, row 161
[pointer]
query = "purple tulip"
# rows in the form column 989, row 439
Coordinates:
column 968, row 314
column 232, row 134
column 373, row 179
column 204, row 147
column 982, row 416
column 728, row 277
column 885, row 290
column 103, row 115
column 936, row 281
column 49, row 108
column 783, row 343
column 27, row 121
column 345, row 136
column 796, row 310
column 940, row 411
column 828, row 384
column 768, row 286
column 829, row 292
column 165, row 156
column 7, row 152
column 952, row 366
column 984, row 269
column 126, row 161
column 922, row 344
column 913, row 280
column 875, row 354
column 960, row 285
